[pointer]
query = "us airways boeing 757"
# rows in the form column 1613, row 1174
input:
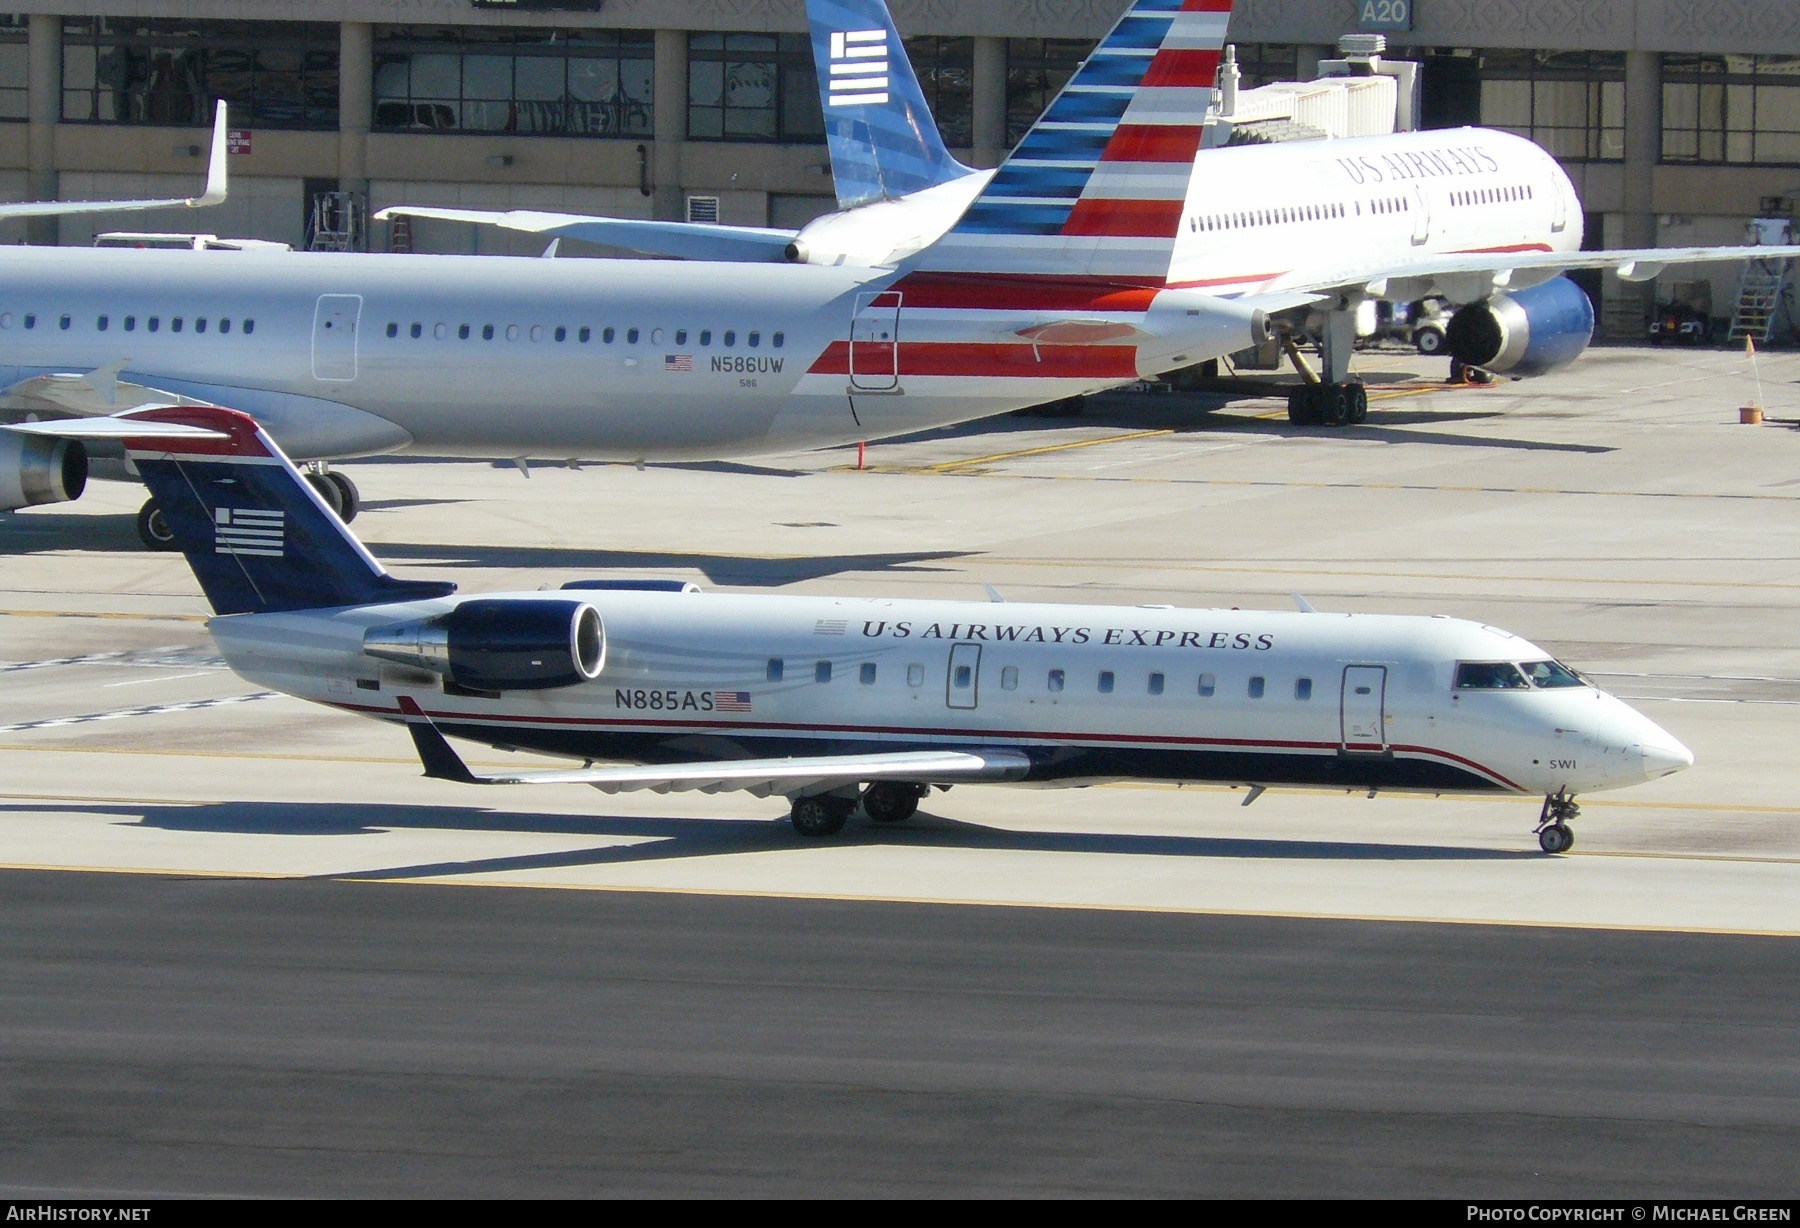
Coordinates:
column 837, row 702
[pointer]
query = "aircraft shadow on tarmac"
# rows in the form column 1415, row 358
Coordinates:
column 717, row 568
column 656, row 840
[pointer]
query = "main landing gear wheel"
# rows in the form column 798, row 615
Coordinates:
column 1553, row 832
column 153, row 528
column 329, row 491
column 352, row 498
column 816, row 817
column 888, row 802
column 1328, row 404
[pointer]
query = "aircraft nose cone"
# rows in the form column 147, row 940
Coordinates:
column 1665, row 756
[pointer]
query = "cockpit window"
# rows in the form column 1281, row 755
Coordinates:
column 1489, row 676
column 1551, row 674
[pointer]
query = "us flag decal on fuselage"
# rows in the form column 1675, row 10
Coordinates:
column 242, row 530
column 731, row 701
column 678, row 362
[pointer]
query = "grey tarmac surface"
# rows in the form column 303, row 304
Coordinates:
column 225, row 1037
column 1111, row 989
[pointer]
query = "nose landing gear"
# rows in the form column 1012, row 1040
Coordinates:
column 1553, row 832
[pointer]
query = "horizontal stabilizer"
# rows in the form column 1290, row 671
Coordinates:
column 762, row 777
column 115, row 428
column 212, row 194
column 1631, row 264
column 687, row 240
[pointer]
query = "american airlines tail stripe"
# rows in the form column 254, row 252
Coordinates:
column 1143, row 218
column 1030, row 291
column 1193, row 69
column 1020, row 361
column 1153, row 143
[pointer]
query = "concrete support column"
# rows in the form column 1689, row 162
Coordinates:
column 671, row 120
column 1643, row 144
column 1307, row 57
column 356, row 103
column 989, row 101
column 43, row 108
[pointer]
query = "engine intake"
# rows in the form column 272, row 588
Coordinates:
column 500, row 644
column 37, row 469
column 1524, row 332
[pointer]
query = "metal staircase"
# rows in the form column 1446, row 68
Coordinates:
column 336, row 224
column 1762, row 287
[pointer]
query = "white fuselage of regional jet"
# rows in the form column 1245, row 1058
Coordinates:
column 1088, row 692
column 1260, row 218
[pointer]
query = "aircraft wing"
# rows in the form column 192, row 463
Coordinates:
column 810, row 774
column 114, row 428
column 212, row 194
column 688, row 240
column 1631, row 264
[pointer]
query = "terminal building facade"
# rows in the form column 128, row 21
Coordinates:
column 1678, row 121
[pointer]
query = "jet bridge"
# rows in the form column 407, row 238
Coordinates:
column 1359, row 94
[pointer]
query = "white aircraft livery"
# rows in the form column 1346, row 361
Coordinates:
column 835, row 702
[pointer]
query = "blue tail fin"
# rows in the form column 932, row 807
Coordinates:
column 258, row 537
column 883, row 140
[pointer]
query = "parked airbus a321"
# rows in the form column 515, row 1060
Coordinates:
column 832, row 702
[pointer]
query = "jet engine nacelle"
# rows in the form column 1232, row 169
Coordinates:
column 38, row 469
column 1524, row 332
column 495, row 644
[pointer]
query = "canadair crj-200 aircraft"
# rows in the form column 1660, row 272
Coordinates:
column 835, row 701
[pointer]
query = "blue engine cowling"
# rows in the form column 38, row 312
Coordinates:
column 1524, row 332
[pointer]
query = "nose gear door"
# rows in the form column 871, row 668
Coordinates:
column 334, row 337
column 875, row 343
column 1360, row 710
column 963, row 689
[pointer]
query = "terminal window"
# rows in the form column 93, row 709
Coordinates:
column 1731, row 109
column 168, row 71
column 1570, row 102
column 514, row 79
column 13, row 57
column 753, row 87
column 945, row 68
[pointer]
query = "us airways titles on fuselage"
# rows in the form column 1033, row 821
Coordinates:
column 1420, row 164
column 1125, row 637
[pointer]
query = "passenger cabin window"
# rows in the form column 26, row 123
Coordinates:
column 393, row 328
column 730, row 337
column 439, row 331
column 154, row 323
column 915, row 675
column 1550, row 674
column 775, row 664
column 250, row 327
column 462, row 332
column 63, row 323
column 1106, row 682
column 1009, row 678
column 487, row 332
column 101, row 323
column 225, row 324
column 631, row 336
column 1489, row 676
column 1208, row 685
column 754, row 340
column 681, row 336
column 1156, row 684
column 417, row 330
column 778, row 340
column 584, row 335
column 1056, row 680
column 866, row 675
column 1303, row 688
column 822, row 672
column 1256, row 686
column 962, row 677
column 706, row 336
column 607, row 336
column 31, row 320
column 200, row 324
column 175, row 324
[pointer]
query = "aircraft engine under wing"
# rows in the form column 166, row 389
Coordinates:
column 761, row 777
column 687, row 240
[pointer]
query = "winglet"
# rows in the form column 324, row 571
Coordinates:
column 214, row 194
column 440, row 760
column 1302, row 604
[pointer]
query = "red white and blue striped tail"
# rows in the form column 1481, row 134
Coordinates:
column 1097, row 186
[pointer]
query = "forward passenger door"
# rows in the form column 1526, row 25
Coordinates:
column 335, row 320
column 1364, row 727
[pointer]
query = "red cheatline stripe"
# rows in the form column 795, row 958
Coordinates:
column 1027, row 292
column 1152, row 143
column 1206, row 6
column 1021, row 361
column 1182, row 68
column 241, row 429
column 1510, row 247
column 1239, row 279
column 1145, row 219
column 1025, row 736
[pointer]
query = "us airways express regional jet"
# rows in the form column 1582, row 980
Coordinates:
column 833, row 702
